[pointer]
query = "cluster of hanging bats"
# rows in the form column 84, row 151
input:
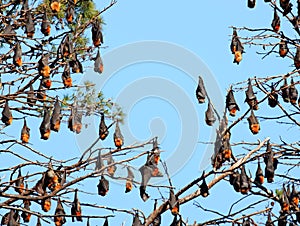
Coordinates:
column 65, row 54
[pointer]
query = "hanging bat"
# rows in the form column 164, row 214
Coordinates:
column 284, row 201
column 297, row 58
column 173, row 203
column 56, row 116
column 283, row 48
column 271, row 164
column 9, row 33
column 55, row 6
column 136, row 220
column 59, row 220
column 236, row 47
column 19, row 183
column 43, row 66
column 157, row 220
column 98, row 65
column 203, row 187
column 253, row 123
column 103, row 186
column 41, row 93
column 99, row 162
column 293, row 93
column 286, row 6
column 97, row 36
column 74, row 121
column 31, row 98
column 118, row 137
column 76, row 208
column 7, row 117
column 276, row 21
column 103, row 130
column 30, row 29
column 66, row 77
column 259, row 176
column 244, row 181
column 209, row 115
column 231, row 104
column 25, row 215
column 66, row 47
column 250, row 97
column 111, row 169
column 129, row 179
column 273, row 97
column 225, row 150
column 285, row 91
column 45, row 125
column 251, row 3
column 17, row 58
column 46, row 25
column 200, row 91
column 76, row 65
column 25, row 133
column 46, row 204
column 146, row 173
column 235, row 180
column 70, row 13
column 40, row 186
column 294, row 197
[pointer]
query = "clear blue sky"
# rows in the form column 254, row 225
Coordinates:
column 158, row 91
